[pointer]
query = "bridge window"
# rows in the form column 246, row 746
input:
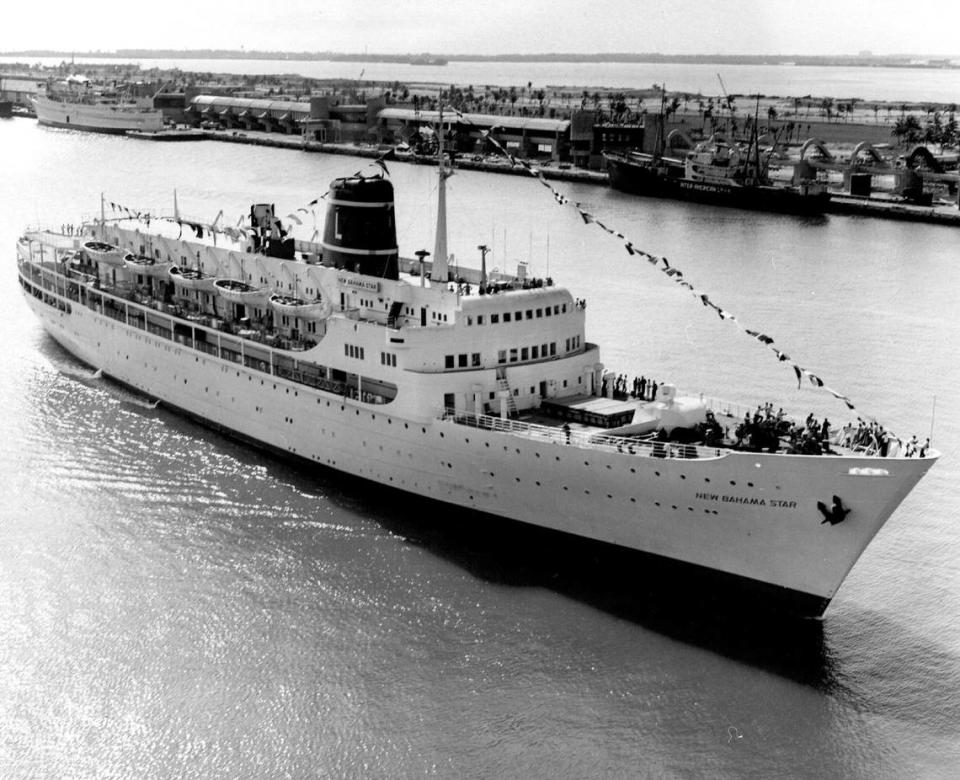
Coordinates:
column 494, row 319
column 475, row 359
column 506, row 316
column 448, row 361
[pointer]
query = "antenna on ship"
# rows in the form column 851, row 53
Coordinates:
column 440, row 269
column 103, row 219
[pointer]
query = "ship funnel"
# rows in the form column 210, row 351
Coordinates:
column 360, row 232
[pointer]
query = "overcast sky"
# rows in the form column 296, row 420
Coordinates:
column 491, row 26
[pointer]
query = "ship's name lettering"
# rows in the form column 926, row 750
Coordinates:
column 361, row 284
column 777, row 503
column 685, row 185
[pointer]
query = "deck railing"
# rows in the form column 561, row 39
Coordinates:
column 583, row 439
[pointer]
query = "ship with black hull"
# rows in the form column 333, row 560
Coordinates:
column 717, row 172
column 477, row 390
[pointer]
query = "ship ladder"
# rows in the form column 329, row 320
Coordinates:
column 504, row 385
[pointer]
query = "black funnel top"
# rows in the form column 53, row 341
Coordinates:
column 360, row 233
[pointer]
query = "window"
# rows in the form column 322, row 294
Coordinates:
column 519, row 316
column 539, row 312
column 448, row 361
column 553, row 349
column 502, row 356
column 506, row 316
column 534, row 352
column 479, row 319
column 513, row 355
column 547, row 312
column 524, row 353
column 494, row 319
column 462, row 360
column 469, row 320
column 529, row 314
column 563, row 308
column 475, row 359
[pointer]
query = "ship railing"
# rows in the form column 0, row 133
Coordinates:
column 721, row 406
column 583, row 439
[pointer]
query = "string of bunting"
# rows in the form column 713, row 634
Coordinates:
column 663, row 265
column 238, row 232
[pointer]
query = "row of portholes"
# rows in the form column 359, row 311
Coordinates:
column 506, row 448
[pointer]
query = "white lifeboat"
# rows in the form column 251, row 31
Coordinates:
column 102, row 252
column 142, row 264
column 191, row 278
column 236, row 291
column 297, row 307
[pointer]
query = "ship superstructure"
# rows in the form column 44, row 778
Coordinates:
column 478, row 390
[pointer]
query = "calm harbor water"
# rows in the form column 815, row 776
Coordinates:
column 891, row 84
column 175, row 604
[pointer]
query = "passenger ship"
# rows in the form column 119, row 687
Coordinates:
column 75, row 105
column 480, row 391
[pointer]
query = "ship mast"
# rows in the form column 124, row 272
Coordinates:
column 440, row 269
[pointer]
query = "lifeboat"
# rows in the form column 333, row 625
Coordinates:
column 142, row 264
column 297, row 307
column 191, row 278
column 102, row 252
column 236, row 291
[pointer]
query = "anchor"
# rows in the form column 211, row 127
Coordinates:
column 833, row 514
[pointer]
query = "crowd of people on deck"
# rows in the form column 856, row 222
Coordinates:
column 871, row 438
column 638, row 387
column 767, row 430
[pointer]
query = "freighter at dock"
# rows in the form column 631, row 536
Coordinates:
column 476, row 390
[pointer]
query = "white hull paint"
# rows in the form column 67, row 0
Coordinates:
column 97, row 117
column 752, row 515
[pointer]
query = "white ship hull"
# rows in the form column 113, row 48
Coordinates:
column 750, row 515
column 96, row 117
